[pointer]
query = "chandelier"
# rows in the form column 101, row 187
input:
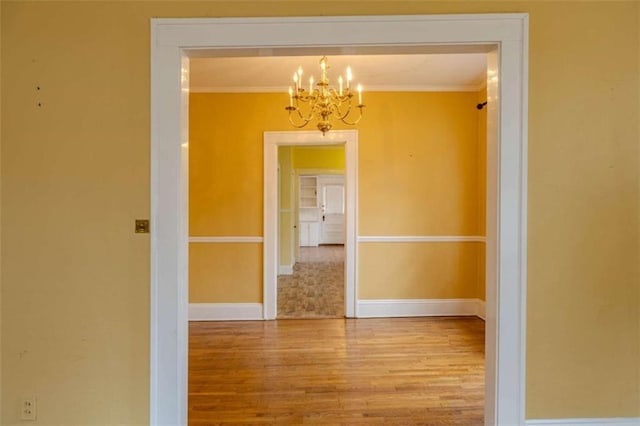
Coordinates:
column 323, row 102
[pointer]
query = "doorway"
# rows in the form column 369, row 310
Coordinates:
column 311, row 232
column 346, row 139
column 314, row 286
column 503, row 36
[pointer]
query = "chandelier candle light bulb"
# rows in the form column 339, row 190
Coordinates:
column 324, row 103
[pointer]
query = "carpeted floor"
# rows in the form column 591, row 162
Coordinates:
column 316, row 288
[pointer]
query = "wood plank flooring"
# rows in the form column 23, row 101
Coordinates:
column 392, row 371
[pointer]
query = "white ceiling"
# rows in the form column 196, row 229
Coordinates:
column 416, row 72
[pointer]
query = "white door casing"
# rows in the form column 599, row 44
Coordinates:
column 174, row 40
column 272, row 140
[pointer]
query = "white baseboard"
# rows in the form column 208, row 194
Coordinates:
column 481, row 309
column 614, row 421
column 379, row 308
column 225, row 311
column 285, row 270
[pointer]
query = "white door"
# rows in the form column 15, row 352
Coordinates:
column 332, row 209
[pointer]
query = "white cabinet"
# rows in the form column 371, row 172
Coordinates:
column 309, row 234
column 308, row 211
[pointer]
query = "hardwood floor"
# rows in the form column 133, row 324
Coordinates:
column 396, row 371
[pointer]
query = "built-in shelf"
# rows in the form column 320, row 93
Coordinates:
column 308, row 191
column 308, row 210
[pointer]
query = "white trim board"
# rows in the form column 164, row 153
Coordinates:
column 481, row 310
column 285, row 270
column 225, row 311
column 613, row 421
column 504, row 37
column 225, row 239
column 421, row 239
column 381, row 308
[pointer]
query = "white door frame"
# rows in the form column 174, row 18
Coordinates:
column 174, row 40
column 272, row 140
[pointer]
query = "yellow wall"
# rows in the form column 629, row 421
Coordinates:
column 225, row 191
column 417, row 164
column 75, row 175
column 225, row 179
column 319, row 157
column 286, row 206
column 418, row 175
column 225, row 273
column 417, row 270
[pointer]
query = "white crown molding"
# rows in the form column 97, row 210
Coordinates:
column 225, row 311
column 421, row 239
column 382, row 308
column 225, row 239
column 613, row 421
column 240, row 89
column 397, row 88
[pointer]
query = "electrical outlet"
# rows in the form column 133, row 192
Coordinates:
column 28, row 408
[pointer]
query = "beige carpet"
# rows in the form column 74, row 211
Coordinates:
column 316, row 288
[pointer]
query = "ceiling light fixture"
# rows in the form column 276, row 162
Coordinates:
column 323, row 102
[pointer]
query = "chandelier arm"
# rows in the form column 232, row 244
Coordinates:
column 339, row 114
column 352, row 123
column 303, row 119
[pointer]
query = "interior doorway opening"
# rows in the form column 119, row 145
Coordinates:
column 174, row 40
column 311, row 232
column 332, row 166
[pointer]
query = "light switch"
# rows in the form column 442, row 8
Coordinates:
column 142, row 226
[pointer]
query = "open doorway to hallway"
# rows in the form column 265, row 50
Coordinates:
column 311, row 232
column 420, row 241
column 169, row 276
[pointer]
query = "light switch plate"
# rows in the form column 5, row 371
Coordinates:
column 142, row 226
